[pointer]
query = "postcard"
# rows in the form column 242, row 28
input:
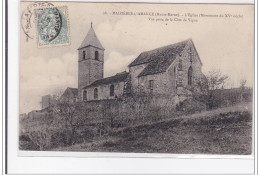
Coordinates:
column 136, row 78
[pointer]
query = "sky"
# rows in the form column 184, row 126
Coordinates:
column 223, row 43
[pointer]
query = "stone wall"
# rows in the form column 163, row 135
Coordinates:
column 160, row 84
column 186, row 63
column 134, row 72
column 104, row 91
column 134, row 108
column 166, row 83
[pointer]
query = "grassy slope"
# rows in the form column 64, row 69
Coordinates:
column 221, row 131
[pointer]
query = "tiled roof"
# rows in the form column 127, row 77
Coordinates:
column 91, row 40
column 159, row 59
column 73, row 90
column 109, row 80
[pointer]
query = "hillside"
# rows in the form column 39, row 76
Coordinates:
column 222, row 131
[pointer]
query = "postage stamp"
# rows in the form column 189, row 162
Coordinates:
column 52, row 26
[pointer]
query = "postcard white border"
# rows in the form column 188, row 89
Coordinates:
column 82, row 162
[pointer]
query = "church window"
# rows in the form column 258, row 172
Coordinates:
column 112, row 90
column 84, row 95
column 151, row 84
column 84, row 55
column 95, row 93
column 180, row 64
column 96, row 55
column 190, row 76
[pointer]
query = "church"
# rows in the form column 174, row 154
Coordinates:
column 168, row 71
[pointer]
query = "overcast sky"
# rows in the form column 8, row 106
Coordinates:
column 226, row 44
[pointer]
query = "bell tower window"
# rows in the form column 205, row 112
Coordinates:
column 95, row 93
column 96, row 55
column 84, row 55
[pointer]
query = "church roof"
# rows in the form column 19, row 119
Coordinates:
column 91, row 39
column 159, row 59
column 74, row 91
column 113, row 79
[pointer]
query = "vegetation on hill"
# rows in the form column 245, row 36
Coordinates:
column 222, row 131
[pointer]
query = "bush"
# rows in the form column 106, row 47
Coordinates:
column 190, row 106
column 25, row 143
column 154, row 113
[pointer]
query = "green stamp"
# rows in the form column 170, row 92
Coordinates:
column 52, row 26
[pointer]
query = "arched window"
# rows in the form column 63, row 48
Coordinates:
column 95, row 93
column 84, row 55
column 85, row 95
column 112, row 90
column 190, row 76
column 96, row 55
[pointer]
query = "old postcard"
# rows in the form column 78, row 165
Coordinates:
column 136, row 78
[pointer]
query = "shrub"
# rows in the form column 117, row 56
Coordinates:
column 25, row 143
column 190, row 106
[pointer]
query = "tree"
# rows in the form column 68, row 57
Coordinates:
column 41, row 138
column 208, row 89
column 70, row 116
column 243, row 83
column 216, row 80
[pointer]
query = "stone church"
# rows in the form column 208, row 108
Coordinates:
column 168, row 71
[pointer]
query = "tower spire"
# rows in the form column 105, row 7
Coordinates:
column 91, row 39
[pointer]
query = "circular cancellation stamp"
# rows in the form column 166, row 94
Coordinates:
column 52, row 26
column 28, row 18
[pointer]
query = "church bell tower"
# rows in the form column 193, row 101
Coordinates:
column 90, row 61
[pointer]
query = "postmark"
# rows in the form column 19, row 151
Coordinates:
column 52, row 26
column 28, row 19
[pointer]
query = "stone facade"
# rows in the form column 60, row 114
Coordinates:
column 166, row 73
column 174, row 78
column 104, row 91
column 190, row 58
column 90, row 61
column 134, row 72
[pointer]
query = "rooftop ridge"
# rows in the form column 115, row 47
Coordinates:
column 141, row 59
column 115, row 78
column 91, row 39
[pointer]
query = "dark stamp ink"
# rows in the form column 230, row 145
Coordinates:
column 28, row 19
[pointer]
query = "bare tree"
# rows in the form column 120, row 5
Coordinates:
column 243, row 83
column 69, row 115
column 216, row 79
column 208, row 86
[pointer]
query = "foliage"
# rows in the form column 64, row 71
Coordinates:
column 216, row 80
column 190, row 106
column 70, row 115
column 41, row 138
column 243, row 83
